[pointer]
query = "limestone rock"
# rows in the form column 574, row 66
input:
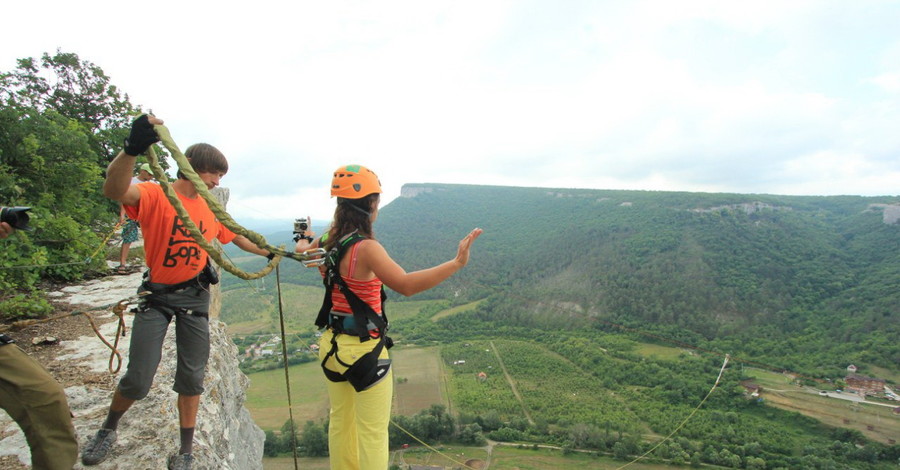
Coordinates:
column 226, row 436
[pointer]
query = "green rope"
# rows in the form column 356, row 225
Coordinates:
column 185, row 166
column 287, row 377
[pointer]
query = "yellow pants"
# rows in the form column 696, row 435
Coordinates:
column 37, row 402
column 358, row 427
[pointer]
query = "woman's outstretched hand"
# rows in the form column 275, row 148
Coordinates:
column 462, row 254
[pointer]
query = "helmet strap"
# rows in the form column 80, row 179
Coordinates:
column 352, row 204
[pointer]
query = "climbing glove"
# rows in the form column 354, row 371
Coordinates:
column 142, row 136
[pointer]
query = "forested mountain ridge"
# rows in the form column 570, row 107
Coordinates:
column 772, row 276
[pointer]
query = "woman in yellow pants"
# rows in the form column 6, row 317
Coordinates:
column 361, row 407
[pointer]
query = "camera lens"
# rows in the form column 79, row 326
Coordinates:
column 17, row 217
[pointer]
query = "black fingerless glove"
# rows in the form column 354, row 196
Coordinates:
column 270, row 256
column 142, row 136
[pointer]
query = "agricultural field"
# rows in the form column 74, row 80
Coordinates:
column 406, row 309
column 526, row 380
column 501, row 457
column 443, row 456
column 529, row 458
column 455, row 310
column 771, row 380
column 875, row 421
column 418, row 376
column 658, row 351
column 892, row 376
column 267, row 396
column 249, row 310
column 421, row 387
column 287, row 463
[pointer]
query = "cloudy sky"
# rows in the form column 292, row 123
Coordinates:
column 799, row 97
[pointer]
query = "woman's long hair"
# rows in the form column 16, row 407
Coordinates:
column 348, row 219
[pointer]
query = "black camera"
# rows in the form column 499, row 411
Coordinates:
column 301, row 225
column 16, row 217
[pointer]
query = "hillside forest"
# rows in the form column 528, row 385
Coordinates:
column 568, row 286
column 565, row 290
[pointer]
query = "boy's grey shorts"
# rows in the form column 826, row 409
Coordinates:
column 191, row 337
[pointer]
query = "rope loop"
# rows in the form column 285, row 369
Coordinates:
column 184, row 165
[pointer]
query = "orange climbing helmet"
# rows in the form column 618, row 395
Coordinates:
column 354, row 182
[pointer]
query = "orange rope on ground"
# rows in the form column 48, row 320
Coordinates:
column 118, row 309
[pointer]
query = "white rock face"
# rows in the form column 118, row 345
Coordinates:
column 226, row 436
column 891, row 214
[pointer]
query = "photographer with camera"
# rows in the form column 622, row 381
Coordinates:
column 12, row 219
column 31, row 396
column 354, row 347
column 178, row 282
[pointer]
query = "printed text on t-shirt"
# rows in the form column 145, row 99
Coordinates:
column 181, row 244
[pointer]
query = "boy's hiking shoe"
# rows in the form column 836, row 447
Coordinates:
column 97, row 450
column 180, row 461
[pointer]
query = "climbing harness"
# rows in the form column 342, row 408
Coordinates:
column 367, row 370
column 150, row 294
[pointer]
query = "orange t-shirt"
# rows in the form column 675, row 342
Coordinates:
column 172, row 254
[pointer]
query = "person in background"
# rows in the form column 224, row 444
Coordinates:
column 354, row 346
column 130, row 226
column 178, row 279
column 37, row 402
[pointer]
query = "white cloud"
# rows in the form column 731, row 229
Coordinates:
column 696, row 95
column 889, row 82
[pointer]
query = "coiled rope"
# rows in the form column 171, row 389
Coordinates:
column 184, row 165
column 118, row 309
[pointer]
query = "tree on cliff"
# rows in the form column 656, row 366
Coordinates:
column 62, row 121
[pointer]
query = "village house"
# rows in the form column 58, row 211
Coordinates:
column 751, row 388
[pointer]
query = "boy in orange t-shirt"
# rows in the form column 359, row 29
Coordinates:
column 177, row 283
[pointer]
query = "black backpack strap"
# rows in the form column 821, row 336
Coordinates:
column 363, row 313
column 332, row 272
